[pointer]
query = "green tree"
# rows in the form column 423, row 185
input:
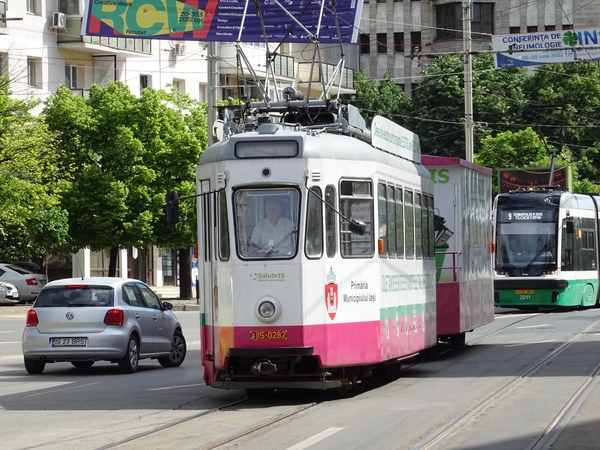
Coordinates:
column 522, row 149
column 126, row 153
column 564, row 102
column 438, row 110
column 31, row 179
column 378, row 98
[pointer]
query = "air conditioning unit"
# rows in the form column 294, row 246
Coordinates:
column 59, row 20
column 179, row 49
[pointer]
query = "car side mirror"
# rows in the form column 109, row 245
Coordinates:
column 166, row 306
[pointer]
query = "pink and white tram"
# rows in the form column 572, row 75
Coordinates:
column 348, row 284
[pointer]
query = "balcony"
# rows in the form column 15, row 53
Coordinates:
column 304, row 68
column 71, row 38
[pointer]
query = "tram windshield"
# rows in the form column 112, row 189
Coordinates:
column 266, row 222
column 525, row 243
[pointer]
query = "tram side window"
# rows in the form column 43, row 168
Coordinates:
column 418, row 226
column 223, row 228
column 330, row 217
column 399, row 223
column 382, row 223
column 356, row 202
column 314, row 225
column 391, row 222
column 430, row 225
column 409, row 224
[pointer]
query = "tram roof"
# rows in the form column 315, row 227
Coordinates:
column 324, row 145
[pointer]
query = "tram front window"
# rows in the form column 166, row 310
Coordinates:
column 525, row 249
column 267, row 223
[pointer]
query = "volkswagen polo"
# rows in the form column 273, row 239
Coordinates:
column 83, row 320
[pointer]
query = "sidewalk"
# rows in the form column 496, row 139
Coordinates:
column 166, row 294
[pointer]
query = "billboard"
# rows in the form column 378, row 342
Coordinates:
column 221, row 20
column 512, row 179
column 547, row 47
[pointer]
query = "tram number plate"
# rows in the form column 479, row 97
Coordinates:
column 279, row 335
column 524, row 291
column 68, row 342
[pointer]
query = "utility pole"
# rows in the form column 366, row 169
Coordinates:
column 213, row 83
column 468, row 76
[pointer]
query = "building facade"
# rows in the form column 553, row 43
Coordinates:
column 403, row 37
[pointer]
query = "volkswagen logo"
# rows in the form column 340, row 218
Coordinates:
column 69, row 315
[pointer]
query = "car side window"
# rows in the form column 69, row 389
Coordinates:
column 150, row 297
column 131, row 296
column 2, row 272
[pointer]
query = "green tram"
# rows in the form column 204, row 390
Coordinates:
column 546, row 244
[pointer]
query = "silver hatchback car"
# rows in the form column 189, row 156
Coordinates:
column 83, row 320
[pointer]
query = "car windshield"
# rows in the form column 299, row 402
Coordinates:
column 99, row 296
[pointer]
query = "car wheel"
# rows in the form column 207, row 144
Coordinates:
column 34, row 366
column 82, row 364
column 178, row 351
column 129, row 362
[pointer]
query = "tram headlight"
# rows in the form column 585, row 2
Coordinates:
column 267, row 309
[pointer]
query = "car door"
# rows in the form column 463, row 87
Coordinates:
column 162, row 332
column 142, row 315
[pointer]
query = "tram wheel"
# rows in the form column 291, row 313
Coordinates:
column 458, row 340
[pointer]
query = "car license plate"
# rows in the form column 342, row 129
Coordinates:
column 68, row 342
column 264, row 335
column 524, row 291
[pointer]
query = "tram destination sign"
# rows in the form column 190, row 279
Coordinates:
column 221, row 20
column 548, row 47
column 527, row 216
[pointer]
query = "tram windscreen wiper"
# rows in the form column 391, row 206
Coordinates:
column 535, row 257
column 272, row 249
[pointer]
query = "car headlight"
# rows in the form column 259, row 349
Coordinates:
column 267, row 309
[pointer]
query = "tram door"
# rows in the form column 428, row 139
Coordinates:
column 205, row 274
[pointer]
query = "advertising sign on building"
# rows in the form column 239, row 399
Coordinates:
column 512, row 179
column 547, row 47
column 221, row 20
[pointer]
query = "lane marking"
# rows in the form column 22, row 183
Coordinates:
column 10, row 342
column 176, row 387
column 534, row 326
column 316, row 438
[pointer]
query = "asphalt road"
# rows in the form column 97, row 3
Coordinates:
column 525, row 381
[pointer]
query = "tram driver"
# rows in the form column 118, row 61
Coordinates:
column 273, row 231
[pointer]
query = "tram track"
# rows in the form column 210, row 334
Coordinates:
column 550, row 431
column 168, row 427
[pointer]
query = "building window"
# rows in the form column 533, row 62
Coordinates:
column 532, row 29
column 69, row 7
column 33, row 7
column 567, row 26
column 381, row 43
column 514, row 30
column 399, row 42
column 415, row 42
column 71, row 78
column 179, row 85
column 550, row 27
column 448, row 20
column 3, row 14
column 145, row 82
column 3, row 64
column 202, row 93
column 365, row 44
column 33, row 73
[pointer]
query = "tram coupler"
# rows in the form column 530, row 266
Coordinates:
column 264, row 367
